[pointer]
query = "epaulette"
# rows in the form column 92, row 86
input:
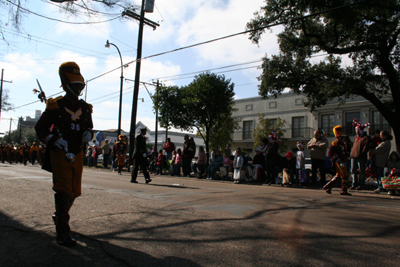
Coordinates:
column 90, row 107
column 335, row 143
column 52, row 103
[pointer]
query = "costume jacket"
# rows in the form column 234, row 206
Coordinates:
column 340, row 149
column 67, row 119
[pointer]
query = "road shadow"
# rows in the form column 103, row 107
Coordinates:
column 24, row 246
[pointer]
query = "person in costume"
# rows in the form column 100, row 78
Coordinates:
column 120, row 150
column 339, row 152
column 64, row 127
column 34, row 153
column 140, row 157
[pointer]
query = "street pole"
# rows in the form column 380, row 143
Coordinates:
column 120, row 88
column 9, row 132
column 1, row 89
column 136, row 87
column 20, row 130
column 156, row 139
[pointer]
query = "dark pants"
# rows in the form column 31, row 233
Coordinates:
column 318, row 164
column 186, row 161
column 142, row 162
column 105, row 160
column 272, row 172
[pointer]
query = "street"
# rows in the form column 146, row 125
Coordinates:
column 177, row 221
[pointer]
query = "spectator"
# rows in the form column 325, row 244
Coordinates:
column 90, row 155
column 381, row 154
column 201, row 162
column 228, row 150
column 189, row 148
column 95, row 155
column 177, row 163
column 318, row 146
column 358, row 155
column 106, row 153
column 374, row 143
column 393, row 165
column 272, row 158
column 300, row 162
column 169, row 147
column 153, row 160
column 237, row 166
column 216, row 164
column 289, row 168
column 256, row 169
column 160, row 162
column 226, row 162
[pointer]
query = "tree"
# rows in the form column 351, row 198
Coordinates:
column 264, row 128
column 18, row 137
column 5, row 104
column 221, row 133
column 365, row 31
column 201, row 105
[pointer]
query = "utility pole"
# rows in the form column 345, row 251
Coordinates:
column 1, row 89
column 9, row 132
column 20, row 129
column 142, row 21
column 156, row 138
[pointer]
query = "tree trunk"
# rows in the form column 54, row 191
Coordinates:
column 396, row 134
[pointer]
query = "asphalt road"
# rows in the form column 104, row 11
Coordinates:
column 177, row 221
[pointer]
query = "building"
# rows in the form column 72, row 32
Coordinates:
column 176, row 137
column 300, row 122
column 29, row 122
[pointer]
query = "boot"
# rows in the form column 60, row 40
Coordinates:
column 61, row 219
column 344, row 191
column 119, row 170
column 328, row 187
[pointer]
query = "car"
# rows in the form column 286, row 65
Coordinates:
column 307, row 164
column 100, row 159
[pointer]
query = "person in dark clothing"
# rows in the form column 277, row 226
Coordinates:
column 272, row 158
column 140, row 157
column 189, row 148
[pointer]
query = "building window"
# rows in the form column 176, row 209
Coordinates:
column 327, row 123
column 349, row 128
column 298, row 101
column 249, row 107
column 297, row 127
column 272, row 104
column 248, row 130
column 379, row 122
column 273, row 122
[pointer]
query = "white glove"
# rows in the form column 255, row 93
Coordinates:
column 144, row 155
column 61, row 144
column 341, row 165
column 87, row 136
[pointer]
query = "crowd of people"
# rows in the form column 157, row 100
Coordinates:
column 22, row 153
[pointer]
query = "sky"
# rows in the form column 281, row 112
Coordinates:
column 42, row 44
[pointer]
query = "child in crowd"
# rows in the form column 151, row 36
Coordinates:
column 289, row 168
column 300, row 161
column 237, row 166
column 226, row 162
column 177, row 163
column 160, row 162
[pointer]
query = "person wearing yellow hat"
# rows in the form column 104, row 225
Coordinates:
column 339, row 152
column 64, row 127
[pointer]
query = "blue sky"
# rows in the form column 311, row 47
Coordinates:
column 41, row 45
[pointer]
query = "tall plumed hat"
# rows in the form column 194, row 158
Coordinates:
column 70, row 73
column 274, row 137
column 338, row 130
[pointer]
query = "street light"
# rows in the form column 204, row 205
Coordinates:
column 120, row 91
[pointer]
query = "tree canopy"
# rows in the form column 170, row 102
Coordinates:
column 367, row 32
column 203, row 105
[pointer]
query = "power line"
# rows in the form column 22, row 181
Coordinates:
column 68, row 22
